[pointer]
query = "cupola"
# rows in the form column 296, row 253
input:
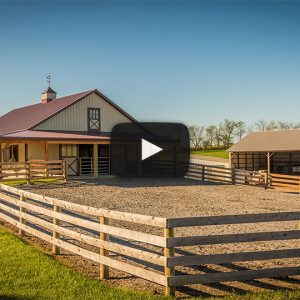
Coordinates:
column 48, row 95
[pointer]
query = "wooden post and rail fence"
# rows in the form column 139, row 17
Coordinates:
column 151, row 250
column 280, row 182
column 33, row 170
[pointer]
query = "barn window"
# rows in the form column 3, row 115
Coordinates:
column 11, row 153
column 93, row 119
column 68, row 150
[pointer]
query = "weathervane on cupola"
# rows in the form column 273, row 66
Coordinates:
column 49, row 94
column 49, row 79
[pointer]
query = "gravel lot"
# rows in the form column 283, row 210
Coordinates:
column 182, row 198
column 171, row 197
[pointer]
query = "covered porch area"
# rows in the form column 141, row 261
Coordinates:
column 84, row 155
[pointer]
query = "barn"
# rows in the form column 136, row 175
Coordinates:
column 74, row 128
column 276, row 151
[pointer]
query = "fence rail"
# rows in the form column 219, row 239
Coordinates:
column 32, row 170
column 285, row 183
column 226, row 175
column 279, row 182
column 96, row 234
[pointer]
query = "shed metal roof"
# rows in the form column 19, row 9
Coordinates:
column 269, row 141
column 28, row 117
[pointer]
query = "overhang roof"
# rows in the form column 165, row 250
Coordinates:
column 51, row 135
column 28, row 117
column 269, row 141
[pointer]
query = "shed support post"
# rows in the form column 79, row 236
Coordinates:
column 291, row 164
column 269, row 155
column 269, row 162
column 95, row 154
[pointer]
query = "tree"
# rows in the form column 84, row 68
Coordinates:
column 261, row 125
column 206, row 143
column 241, row 129
column 210, row 134
column 285, row 125
column 196, row 136
column 271, row 126
column 218, row 136
column 227, row 129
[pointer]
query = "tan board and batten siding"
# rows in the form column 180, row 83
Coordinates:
column 74, row 118
column 36, row 151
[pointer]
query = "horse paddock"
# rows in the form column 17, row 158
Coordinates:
column 187, row 198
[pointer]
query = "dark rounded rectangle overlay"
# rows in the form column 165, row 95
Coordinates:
column 126, row 149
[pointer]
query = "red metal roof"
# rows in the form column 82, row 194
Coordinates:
column 28, row 117
column 50, row 135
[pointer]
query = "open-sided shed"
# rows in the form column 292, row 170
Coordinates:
column 276, row 151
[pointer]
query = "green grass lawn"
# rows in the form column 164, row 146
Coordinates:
column 212, row 153
column 26, row 273
column 35, row 181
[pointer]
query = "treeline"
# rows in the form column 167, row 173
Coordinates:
column 223, row 135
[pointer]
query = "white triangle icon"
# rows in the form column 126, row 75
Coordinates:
column 149, row 149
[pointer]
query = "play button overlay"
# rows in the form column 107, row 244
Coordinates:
column 149, row 150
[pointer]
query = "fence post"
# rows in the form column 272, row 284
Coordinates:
column 46, row 169
column 104, row 270
column 233, row 175
column 29, row 172
column 169, row 271
column 266, row 179
column 56, row 249
column 80, row 166
column 203, row 173
column 22, row 210
column 65, row 166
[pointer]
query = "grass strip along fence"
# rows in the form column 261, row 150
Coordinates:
column 279, row 182
column 88, row 232
column 33, row 170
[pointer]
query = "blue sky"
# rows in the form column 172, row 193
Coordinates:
column 192, row 62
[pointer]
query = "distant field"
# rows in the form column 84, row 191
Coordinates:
column 212, row 153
